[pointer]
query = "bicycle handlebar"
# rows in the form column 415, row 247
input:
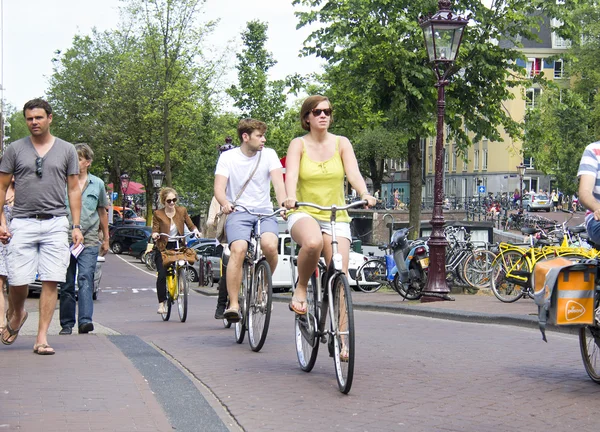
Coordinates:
column 333, row 207
column 283, row 209
column 176, row 237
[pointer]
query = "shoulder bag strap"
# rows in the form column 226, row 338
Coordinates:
column 249, row 178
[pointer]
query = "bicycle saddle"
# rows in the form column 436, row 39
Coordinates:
column 529, row 231
column 576, row 229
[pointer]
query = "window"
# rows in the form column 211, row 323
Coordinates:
column 430, row 162
column 533, row 67
column 453, row 187
column 484, row 162
column 528, row 162
column 454, row 161
column 446, row 161
column 465, row 164
column 476, row 160
column 532, row 98
column 559, row 69
column 430, row 141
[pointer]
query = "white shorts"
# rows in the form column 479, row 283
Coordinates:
column 342, row 229
column 38, row 247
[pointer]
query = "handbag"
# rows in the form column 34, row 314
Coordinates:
column 221, row 218
column 169, row 256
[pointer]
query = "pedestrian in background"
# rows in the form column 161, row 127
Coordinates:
column 7, row 214
column 43, row 167
column 169, row 220
column 94, row 216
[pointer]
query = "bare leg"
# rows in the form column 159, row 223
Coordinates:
column 47, row 306
column 307, row 233
column 268, row 244
column 16, row 303
column 238, row 251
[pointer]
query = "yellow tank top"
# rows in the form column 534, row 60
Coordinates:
column 322, row 183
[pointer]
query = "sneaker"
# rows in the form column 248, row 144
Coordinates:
column 219, row 312
column 65, row 331
column 162, row 308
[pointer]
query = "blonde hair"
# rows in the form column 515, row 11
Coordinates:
column 162, row 196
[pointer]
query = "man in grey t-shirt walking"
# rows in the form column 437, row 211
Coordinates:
column 42, row 166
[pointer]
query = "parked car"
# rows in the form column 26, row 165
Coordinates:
column 208, row 251
column 537, row 202
column 36, row 287
column 282, row 277
column 121, row 238
column 130, row 217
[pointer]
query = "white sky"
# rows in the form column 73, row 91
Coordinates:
column 34, row 29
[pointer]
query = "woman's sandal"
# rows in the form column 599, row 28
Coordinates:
column 344, row 354
column 295, row 309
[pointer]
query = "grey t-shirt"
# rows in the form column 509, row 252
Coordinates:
column 35, row 195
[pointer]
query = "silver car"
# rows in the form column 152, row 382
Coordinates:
column 209, row 251
column 534, row 202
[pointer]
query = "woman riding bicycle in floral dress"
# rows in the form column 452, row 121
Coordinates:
column 315, row 168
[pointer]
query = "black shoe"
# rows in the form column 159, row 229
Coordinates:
column 219, row 312
column 86, row 327
column 65, row 331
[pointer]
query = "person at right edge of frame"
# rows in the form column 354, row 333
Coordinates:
column 94, row 203
column 43, row 167
column 316, row 165
column 234, row 168
column 589, row 189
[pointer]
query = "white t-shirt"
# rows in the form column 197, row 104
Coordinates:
column 237, row 167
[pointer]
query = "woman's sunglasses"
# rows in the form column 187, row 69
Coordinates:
column 169, row 201
column 317, row 112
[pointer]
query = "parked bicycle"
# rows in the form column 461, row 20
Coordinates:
column 256, row 289
column 177, row 278
column 329, row 314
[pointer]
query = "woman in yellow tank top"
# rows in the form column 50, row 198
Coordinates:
column 315, row 168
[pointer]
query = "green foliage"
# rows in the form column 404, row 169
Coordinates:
column 18, row 127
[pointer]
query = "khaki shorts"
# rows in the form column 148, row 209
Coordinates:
column 38, row 247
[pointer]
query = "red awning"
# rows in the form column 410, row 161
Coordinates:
column 134, row 188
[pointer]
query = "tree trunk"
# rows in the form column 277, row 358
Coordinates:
column 415, row 175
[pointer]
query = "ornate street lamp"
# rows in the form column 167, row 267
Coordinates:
column 521, row 169
column 157, row 179
column 443, row 34
column 124, row 186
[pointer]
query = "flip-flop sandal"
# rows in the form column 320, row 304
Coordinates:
column 12, row 332
column 43, row 349
column 232, row 315
column 344, row 355
column 294, row 308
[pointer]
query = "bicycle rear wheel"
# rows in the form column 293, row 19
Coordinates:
column 477, row 271
column 306, row 327
column 259, row 306
column 507, row 263
column 589, row 343
column 240, row 326
column 342, row 330
column 371, row 276
column 182, row 297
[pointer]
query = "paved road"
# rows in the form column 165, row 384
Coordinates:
column 412, row 373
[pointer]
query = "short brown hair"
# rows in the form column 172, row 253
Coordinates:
column 162, row 196
column 37, row 103
column 84, row 151
column 249, row 125
column 308, row 105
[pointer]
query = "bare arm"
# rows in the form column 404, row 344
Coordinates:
column 353, row 174
column 74, row 193
column 586, row 196
column 278, row 185
column 5, row 179
column 292, row 168
column 219, row 189
column 102, row 212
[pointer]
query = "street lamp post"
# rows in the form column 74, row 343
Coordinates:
column 443, row 34
column 157, row 179
column 521, row 169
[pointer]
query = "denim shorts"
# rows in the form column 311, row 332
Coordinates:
column 38, row 247
column 240, row 223
column 342, row 229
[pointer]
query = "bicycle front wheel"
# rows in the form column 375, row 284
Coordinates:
column 240, row 326
column 306, row 326
column 342, row 330
column 182, row 295
column 589, row 343
column 371, row 276
column 477, row 271
column 259, row 306
column 508, row 265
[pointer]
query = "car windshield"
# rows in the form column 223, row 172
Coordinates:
column 541, row 197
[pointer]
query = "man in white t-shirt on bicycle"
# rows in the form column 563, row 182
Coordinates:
column 233, row 170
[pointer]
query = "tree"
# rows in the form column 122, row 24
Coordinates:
column 378, row 73
column 255, row 95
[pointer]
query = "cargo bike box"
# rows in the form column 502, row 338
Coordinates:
column 564, row 292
